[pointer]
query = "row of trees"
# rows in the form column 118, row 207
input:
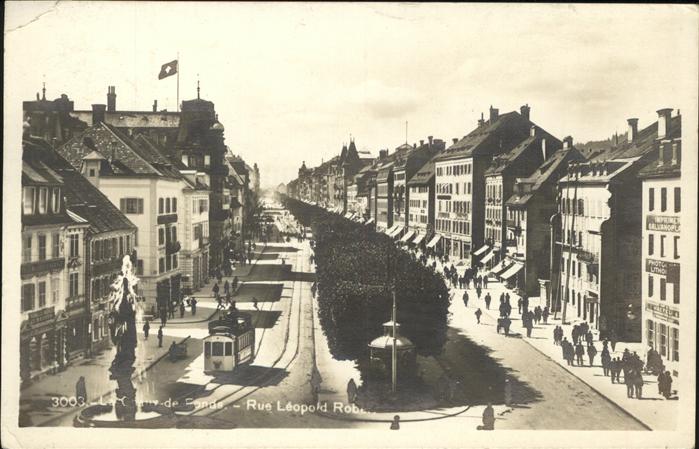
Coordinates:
column 356, row 269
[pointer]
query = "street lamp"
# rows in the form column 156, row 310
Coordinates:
column 630, row 314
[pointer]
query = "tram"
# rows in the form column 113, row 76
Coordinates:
column 230, row 343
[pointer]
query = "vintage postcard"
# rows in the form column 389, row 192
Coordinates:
column 349, row 225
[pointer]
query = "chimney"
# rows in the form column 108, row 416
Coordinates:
column 664, row 122
column 481, row 121
column 568, row 143
column 111, row 98
column 155, row 105
column 383, row 154
column 532, row 131
column 429, row 139
column 633, row 130
column 98, row 113
column 524, row 111
column 454, row 140
column 494, row 112
column 422, row 142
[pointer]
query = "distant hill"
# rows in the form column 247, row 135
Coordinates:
column 595, row 147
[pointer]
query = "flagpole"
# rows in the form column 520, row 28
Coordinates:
column 178, row 81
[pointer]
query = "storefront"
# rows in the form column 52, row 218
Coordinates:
column 42, row 343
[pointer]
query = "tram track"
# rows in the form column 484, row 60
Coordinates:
column 268, row 378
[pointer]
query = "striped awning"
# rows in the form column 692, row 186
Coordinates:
column 407, row 236
column 480, row 250
column 369, row 221
column 396, row 232
column 488, row 256
column 419, row 238
column 514, row 269
column 390, row 230
column 434, row 241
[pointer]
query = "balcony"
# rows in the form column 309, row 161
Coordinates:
column 106, row 266
column 42, row 267
column 172, row 247
column 167, row 219
column 587, row 257
column 75, row 303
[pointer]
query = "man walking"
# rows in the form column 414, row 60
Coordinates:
column 579, row 353
column 215, row 290
column 146, row 329
column 487, row 301
column 591, row 353
column 545, row 314
column 478, row 314
column 160, row 337
column 606, row 360
column 519, row 306
column 465, row 298
column 181, row 309
column 193, row 304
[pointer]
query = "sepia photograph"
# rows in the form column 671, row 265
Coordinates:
column 349, row 224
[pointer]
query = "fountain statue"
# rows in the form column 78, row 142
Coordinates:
column 122, row 329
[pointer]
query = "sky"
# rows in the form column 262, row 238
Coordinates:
column 293, row 82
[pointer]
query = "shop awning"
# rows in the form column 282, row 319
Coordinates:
column 369, row 221
column 434, row 241
column 514, row 269
column 348, row 215
column 390, row 230
column 419, row 238
column 488, row 256
column 407, row 236
column 502, row 267
column 396, row 232
column 480, row 250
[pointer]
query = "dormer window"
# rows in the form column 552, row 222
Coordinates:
column 28, row 200
column 43, row 199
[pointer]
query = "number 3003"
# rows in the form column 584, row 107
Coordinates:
column 67, row 401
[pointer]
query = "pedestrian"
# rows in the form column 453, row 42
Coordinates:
column 81, row 390
column 545, row 314
column 506, row 325
column 478, row 314
column 395, row 425
column 574, row 334
column 667, row 385
column 519, row 306
column 591, row 353
column 525, row 303
column 616, row 369
column 606, row 360
column 478, row 292
column 226, row 287
column 529, row 326
column 171, row 310
column 579, row 353
column 629, row 381
column 160, row 337
column 555, row 335
column 181, row 309
column 465, row 298
column 487, row 300
column 485, row 281
column 589, row 337
column 215, row 289
column 254, row 303
column 146, row 329
column 613, row 340
column 351, row 391
column 234, row 286
column 488, row 418
column 163, row 317
column 193, row 304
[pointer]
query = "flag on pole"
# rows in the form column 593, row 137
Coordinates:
column 168, row 69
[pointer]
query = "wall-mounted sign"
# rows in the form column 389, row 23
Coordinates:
column 669, row 269
column 42, row 316
column 664, row 312
column 662, row 223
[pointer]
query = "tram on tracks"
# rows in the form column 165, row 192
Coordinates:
column 230, row 343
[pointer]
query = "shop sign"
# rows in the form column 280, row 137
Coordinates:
column 669, row 269
column 664, row 312
column 42, row 316
column 662, row 223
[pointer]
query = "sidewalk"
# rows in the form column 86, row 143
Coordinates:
column 653, row 410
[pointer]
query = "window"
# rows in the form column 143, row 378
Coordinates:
column 217, row 349
column 27, row 297
column 174, row 205
column 73, row 285
column 662, row 246
column 42, row 294
column 228, row 348
column 161, row 265
column 167, row 205
column 651, row 199
column 139, row 267
column 92, row 172
column 663, row 199
column 650, row 285
column 678, row 198
column 579, row 268
column 161, row 236
column 55, row 289
column 675, row 344
column 174, row 261
column 662, row 289
column 28, row 201
column 650, row 332
column 161, row 205
column 121, row 246
column 74, row 240
column 573, row 270
column 207, row 349
column 651, row 244
column 27, row 249
column 55, row 245
column 662, row 333
column 676, row 241
column 174, row 234
column 43, row 199
column 131, row 205
column 42, row 247
column 56, row 201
